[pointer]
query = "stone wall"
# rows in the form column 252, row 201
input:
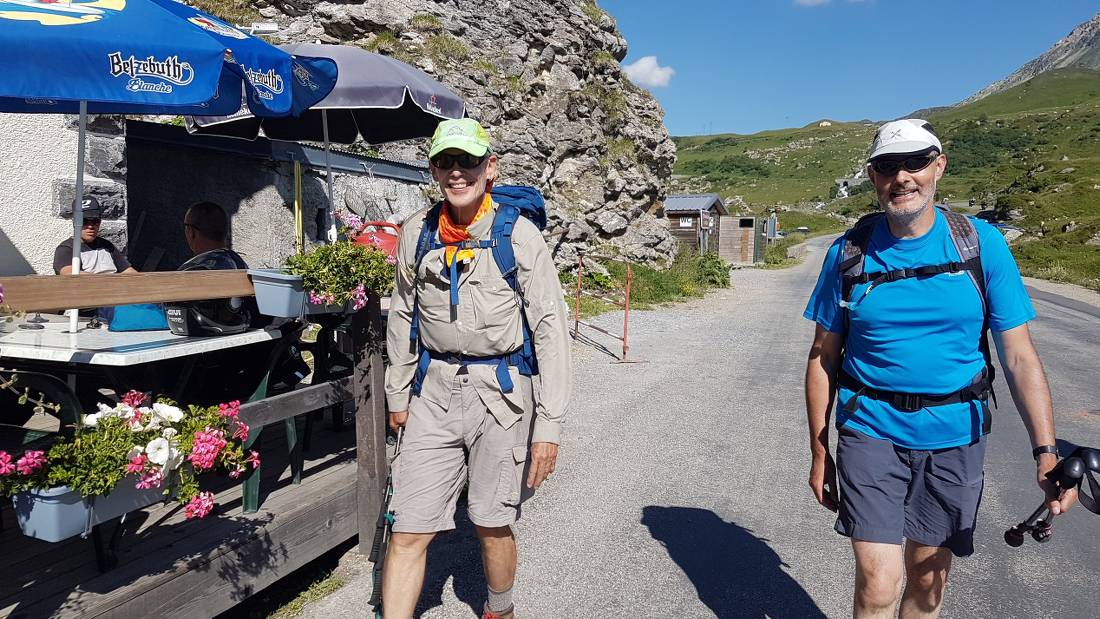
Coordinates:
column 257, row 194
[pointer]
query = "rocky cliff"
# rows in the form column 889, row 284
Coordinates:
column 1080, row 49
column 544, row 77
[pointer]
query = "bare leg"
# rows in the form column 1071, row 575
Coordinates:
column 926, row 569
column 878, row 579
column 403, row 573
column 498, row 554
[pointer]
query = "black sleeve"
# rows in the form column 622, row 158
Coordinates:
column 62, row 257
column 121, row 263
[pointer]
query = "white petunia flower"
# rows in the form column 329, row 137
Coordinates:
column 171, row 413
column 169, row 433
column 175, row 458
column 158, row 450
column 91, row 420
column 104, row 410
column 135, row 451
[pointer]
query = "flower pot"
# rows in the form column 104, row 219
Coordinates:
column 55, row 514
column 282, row 295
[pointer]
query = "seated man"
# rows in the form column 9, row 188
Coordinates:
column 97, row 254
column 234, row 372
column 206, row 229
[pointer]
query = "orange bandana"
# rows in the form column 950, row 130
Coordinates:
column 451, row 233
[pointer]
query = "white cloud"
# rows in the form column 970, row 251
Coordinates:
column 811, row 2
column 646, row 72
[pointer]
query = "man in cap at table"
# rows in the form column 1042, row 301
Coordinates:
column 460, row 376
column 97, row 254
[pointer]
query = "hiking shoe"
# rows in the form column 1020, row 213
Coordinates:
column 504, row 614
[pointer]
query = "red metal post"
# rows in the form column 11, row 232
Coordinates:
column 577, row 304
column 626, row 310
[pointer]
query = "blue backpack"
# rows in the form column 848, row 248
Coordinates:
column 514, row 201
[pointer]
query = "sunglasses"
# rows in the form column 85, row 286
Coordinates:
column 890, row 167
column 466, row 161
column 91, row 222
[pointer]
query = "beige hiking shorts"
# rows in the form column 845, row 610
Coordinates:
column 443, row 448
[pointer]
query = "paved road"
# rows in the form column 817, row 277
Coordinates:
column 681, row 490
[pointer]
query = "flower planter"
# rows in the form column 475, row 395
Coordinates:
column 281, row 295
column 55, row 514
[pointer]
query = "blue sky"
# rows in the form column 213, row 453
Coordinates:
column 744, row 66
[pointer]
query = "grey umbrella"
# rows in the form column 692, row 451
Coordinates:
column 376, row 97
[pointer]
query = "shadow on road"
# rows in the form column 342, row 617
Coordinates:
column 735, row 573
column 593, row 344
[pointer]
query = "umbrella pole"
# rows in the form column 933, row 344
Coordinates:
column 330, row 219
column 78, row 203
column 299, row 230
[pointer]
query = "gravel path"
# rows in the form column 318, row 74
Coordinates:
column 681, row 486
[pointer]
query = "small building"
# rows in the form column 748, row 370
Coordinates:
column 695, row 219
column 742, row 240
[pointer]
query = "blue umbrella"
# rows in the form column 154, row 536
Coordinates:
column 143, row 57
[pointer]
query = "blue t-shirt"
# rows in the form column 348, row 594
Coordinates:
column 919, row 335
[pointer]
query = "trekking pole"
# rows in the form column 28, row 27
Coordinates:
column 1066, row 474
column 383, row 529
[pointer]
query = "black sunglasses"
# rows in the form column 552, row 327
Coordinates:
column 466, row 161
column 890, row 167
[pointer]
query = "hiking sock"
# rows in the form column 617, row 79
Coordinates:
column 500, row 601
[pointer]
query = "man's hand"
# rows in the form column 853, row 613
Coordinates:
column 544, row 457
column 823, row 482
column 397, row 419
column 1058, row 500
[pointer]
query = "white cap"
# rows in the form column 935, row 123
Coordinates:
column 903, row 137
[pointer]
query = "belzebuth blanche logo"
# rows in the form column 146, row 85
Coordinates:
column 268, row 83
column 172, row 70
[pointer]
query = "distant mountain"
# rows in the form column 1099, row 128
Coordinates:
column 1079, row 50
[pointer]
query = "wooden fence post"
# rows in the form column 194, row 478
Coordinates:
column 368, row 338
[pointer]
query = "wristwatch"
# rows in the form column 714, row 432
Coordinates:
column 1044, row 449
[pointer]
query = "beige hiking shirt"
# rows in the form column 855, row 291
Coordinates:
column 487, row 323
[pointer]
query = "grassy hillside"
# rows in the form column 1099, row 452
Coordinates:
column 787, row 166
column 1032, row 153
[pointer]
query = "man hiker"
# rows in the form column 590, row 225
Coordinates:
column 903, row 305
column 476, row 312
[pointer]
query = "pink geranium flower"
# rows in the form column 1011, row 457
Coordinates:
column 137, row 463
column 6, row 467
column 133, row 398
column 253, row 459
column 151, row 479
column 230, row 409
column 207, row 445
column 241, row 432
column 31, row 462
column 200, row 505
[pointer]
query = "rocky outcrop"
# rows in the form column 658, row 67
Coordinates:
column 1080, row 49
column 543, row 76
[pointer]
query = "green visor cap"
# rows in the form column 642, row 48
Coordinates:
column 465, row 134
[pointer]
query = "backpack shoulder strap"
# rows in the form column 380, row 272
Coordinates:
column 964, row 236
column 854, row 250
column 426, row 241
column 501, row 237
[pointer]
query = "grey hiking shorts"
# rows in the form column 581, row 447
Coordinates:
column 444, row 448
column 888, row 493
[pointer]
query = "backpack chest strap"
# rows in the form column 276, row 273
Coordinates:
column 879, row 277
